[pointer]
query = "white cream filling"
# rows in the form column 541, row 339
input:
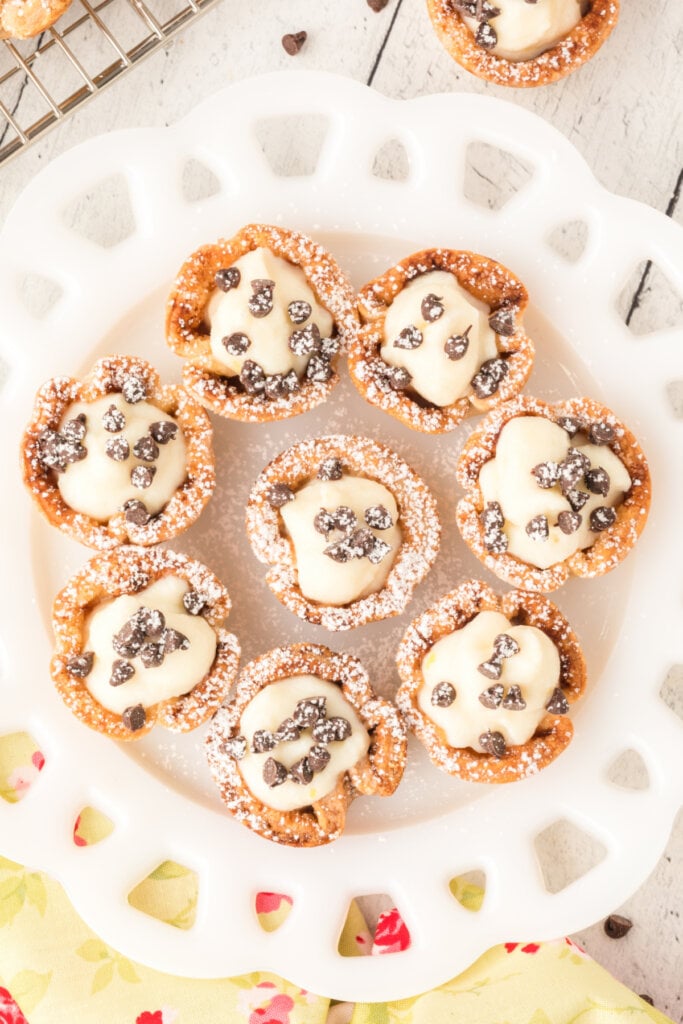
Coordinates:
column 98, row 486
column 437, row 378
column 228, row 313
column 320, row 577
column 271, row 706
column 454, row 659
column 180, row 671
column 525, row 30
column 524, row 443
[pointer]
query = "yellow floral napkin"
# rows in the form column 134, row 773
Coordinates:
column 54, row 970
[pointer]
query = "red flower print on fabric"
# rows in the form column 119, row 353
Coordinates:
column 150, row 1018
column 277, row 1011
column 268, row 902
column 391, row 934
column 9, row 1011
column 531, row 947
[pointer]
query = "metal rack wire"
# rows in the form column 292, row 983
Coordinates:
column 45, row 79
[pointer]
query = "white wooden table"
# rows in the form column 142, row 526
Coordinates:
column 622, row 111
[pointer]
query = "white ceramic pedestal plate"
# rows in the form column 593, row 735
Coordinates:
column 434, row 828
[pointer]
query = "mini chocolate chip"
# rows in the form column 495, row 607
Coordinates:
column 486, row 37
column 152, row 655
column 252, row 377
column 330, row 346
column 293, row 41
column 134, row 389
column 274, row 773
column 577, row 499
column 456, row 346
column 570, row 424
column 164, row 431
column 134, row 718
column 547, row 474
column 492, row 668
column 330, row 469
column 301, row 772
column 432, row 307
column 194, row 602
column 319, row 369
column 235, row 747
column 339, row 551
column 121, row 671
column 276, row 386
column 80, row 665
column 113, row 420
column 492, row 522
column 260, row 303
column 573, row 468
column 279, row 494
column 361, row 542
column 151, row 620
column 227, row 278
column 502, row 320
column 287, row 731
column 309, row 710
column 236, row 344
column 318, row 758
column 74, row 430
column 136, row 512
column 49, row 450
column 324, row 731
column 597, row 481
column 492, row 697
column 601, row 432
column 379, row 550
column 344, row 517
column 377, row 5
column 493, row 743
column 305, row 341
column 505, row 646
column 341, row 726
column 487, row 379
column 558, row 703
column 513, row 700
column 569, row 522
column 142, row 476
column 174, row 640
column 323, row 522
column 443, row 695
column 409, row 338
column 263, row 740
column 378, row 517
column 617, row 926
column 602, row 518
column 117, row 448
column 537, row 528
column 129, row 639
column 299, row 311
column 146, row 448
column 398, row 378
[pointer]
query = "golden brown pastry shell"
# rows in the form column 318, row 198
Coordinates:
column 28, row 18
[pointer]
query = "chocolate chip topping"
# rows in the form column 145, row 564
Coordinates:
column 502, row 320
column 227, row 278
column 293, row 41
column 378, row 517
column 174, row 640
column 134, row 389
column 617, row 926
column 279, row 494
column 305, row 341
column 432, row 307
column 260, row 303
column 577, row 499
column 601, row 432
column 152, row 655
column 194, row 602
column 117, row 448
column 163, row 431
column 252, row 377
column 309, row 710
column 344, row 517
column 287, row 731
column 570, row 424
column 74, row 430
column 569, row 522
column 505, row 646
column 493, row 743
column 456, row 346
column 136, row 512
column 330, row 469
column 278, row 385
column 573, row 468
column 492, row 521
column 602, row 518
column 129, row 639
column 324, row 731
column 492, row 668
column 443, row 695
column 558, row 703
column 236, row 344
column 134, row 718
column 274, row 773
column 121, row 672
column 409, row 338
column 301, row 772
column 379, row 551
column 486, row 37
column 319, row 369
column 151, row 620
column 597, row 481
column 323, row 522
column 492, row 697
column 146, row 448
column 398, row 378
column 339, row 551
column 487, row 379
column 113, row 420
column 262, row 741
column 80, row 665
column 142, row 476
column 547, row 474
column 513, row 700
column 537, row 528
column 235, row 747
column 56, row 451
column 318, row 758
column 299, row 311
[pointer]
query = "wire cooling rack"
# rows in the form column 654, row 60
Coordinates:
column 42, row 80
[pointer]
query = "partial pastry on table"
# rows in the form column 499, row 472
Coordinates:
column 523, row 42
column 260, row 319
column 552, row 491
column 442, row 339
column 487, row 682
column 118, row 457
column 139, row 641
column 23, row 19
column 347, row 528
column 302, row 737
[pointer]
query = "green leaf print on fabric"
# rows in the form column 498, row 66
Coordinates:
column 20, row 888
column 28, row 988
column 95, row 951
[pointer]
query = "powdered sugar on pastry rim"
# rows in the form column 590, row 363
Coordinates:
column 418, row 520
column 453, row 612
column 376, row 774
